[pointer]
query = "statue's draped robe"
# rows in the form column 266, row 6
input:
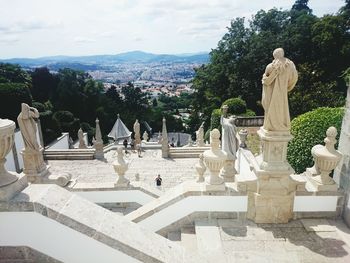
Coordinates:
column 278, row 80
column 28, row 128
column 229, row 140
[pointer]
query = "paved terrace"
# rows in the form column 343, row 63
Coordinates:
column 172, row 171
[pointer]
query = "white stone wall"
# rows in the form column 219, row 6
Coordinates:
column 62, row 143
column 342, row 172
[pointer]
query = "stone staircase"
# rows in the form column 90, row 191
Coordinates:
column 73, row 229
column 186, row 152
column 204, row 238
column 71, row 154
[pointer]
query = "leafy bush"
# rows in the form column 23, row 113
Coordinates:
column 236, row 106
column 249, row 113
column 67, row 122
column 308, row 130
column 12, row 95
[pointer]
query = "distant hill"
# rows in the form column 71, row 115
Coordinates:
column 103, row 61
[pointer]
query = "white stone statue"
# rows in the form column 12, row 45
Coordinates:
column 229, row 144
column 82, row 144
column 279, row 78
column 229, row 139
column 27, row 124
column 137, row 132
column 33, row 158
column 98, row 142
column 121, row 166
column 145, row 136
column 200, row 136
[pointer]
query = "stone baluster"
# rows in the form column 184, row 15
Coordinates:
column 243, row 134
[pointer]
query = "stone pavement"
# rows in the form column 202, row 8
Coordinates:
column 172, row 171
column 294, row 242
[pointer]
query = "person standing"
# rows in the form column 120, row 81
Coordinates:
column 158, row 181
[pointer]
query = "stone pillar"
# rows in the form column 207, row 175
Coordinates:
column 342, row 172
column 214, row 160
column 137, row 132
column 273, row 200
column 10, row 182
column 98, row 142
column 164, row 141
column 121, row 166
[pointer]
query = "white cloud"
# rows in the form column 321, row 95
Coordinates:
column 83, row 27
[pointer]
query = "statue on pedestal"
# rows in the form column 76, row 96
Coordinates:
column 33, row 152
column 279, row 78
column 200, row 136
column 82, row 144
column 229, row 144
column 137, row 132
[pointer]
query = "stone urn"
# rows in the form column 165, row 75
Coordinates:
column 120, row 167
column 7, row 128
column 326, row 158
column 243, row 134
column 214, row 159
column 200, row 168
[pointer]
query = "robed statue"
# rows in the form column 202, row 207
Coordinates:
column 279, row 78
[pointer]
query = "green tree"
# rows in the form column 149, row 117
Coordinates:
column 43, row 84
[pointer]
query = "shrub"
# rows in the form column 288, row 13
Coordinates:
column 12, row 95
column 67, row 122
column 215, row 119
column 236, row 106
column 308, row 130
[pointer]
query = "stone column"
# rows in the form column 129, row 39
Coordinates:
column 342, row 172
column 273, row 200
column 214, row 160
column 10, row 182
column 98, row 142
column 164, row 141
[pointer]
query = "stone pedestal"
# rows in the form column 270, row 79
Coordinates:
column 10, row 190
column 273, row 200
column 274, row 150
column 228, row 172
column 34, row 164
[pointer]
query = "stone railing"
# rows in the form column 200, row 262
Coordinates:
column 255, row 121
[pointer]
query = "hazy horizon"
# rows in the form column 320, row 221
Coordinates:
column 39, row 28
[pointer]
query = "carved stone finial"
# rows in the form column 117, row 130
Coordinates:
column 120, row 166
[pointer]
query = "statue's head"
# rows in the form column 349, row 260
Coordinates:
column 25, row 110
column 278, row 53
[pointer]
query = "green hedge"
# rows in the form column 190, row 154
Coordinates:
column 236, row 106
column 308, row 130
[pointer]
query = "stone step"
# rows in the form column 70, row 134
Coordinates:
column 209, row 240
column 94, row 232
column 188, row 238
column 68, row 157
column 184, row 155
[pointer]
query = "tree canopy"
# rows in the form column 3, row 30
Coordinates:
column 319, row 46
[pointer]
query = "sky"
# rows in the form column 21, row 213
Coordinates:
column 36, row 28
